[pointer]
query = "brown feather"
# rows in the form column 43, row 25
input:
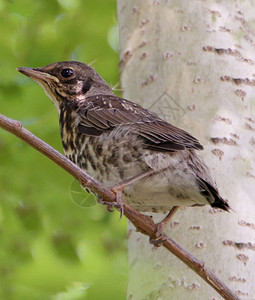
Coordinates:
column 104, row 113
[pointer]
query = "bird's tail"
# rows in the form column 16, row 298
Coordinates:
column 221, row 203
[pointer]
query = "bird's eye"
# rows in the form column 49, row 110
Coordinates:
column 67, row 73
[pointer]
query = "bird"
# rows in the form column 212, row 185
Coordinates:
column 116, row 140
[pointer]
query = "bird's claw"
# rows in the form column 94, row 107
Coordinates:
column 159, row 240
column 118, row 204
column 160, row 236
column 160, row 228
column 109, row 205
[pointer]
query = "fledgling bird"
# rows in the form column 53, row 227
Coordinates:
column 114, row 139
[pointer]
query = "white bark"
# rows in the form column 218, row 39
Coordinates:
column 199, row 56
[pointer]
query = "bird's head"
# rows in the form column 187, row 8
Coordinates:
column 68, row 81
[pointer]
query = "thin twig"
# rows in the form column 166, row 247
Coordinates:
column 143, row 223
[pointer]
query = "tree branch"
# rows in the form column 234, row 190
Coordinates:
column 143, row 223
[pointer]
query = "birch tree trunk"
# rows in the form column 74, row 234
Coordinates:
column 193, row 63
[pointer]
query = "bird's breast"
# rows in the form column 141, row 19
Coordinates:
column 110, row 158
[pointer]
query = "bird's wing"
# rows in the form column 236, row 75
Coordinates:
column 102, row 113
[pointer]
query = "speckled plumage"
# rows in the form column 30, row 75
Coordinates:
column 114, row 139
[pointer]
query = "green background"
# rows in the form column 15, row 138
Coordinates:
column 50, row 246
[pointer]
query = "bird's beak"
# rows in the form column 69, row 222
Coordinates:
column 37, row 74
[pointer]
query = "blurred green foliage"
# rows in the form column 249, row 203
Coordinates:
column 51, row 247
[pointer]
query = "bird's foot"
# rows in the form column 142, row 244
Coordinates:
column 111, row 205
column 160, row 228
column 119, row 203
column 158, row 241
